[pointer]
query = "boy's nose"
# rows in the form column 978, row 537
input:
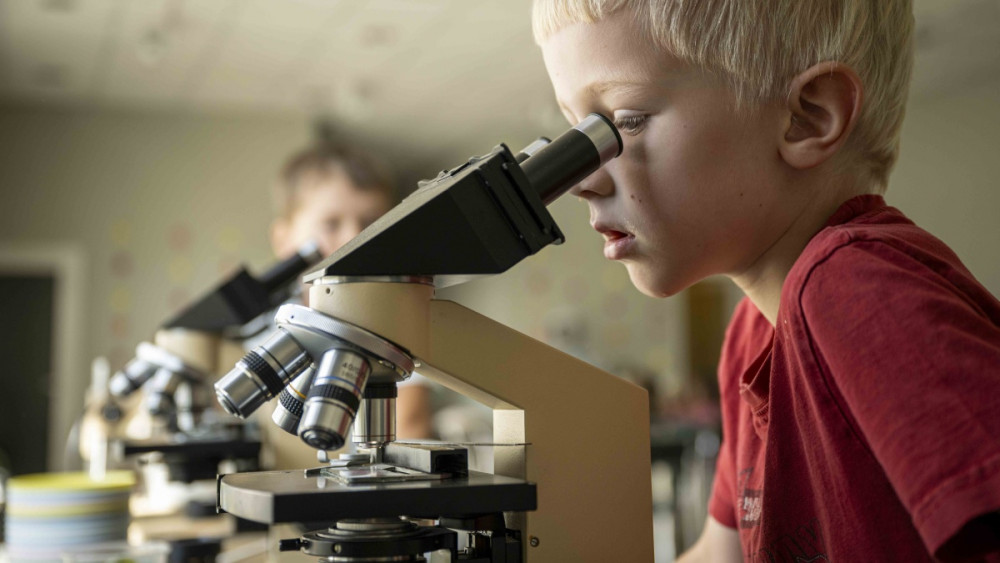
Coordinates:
column 598, row 184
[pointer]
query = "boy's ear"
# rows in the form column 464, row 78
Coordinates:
column 823, row 105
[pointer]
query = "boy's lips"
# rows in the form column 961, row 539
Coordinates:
column 617, row 243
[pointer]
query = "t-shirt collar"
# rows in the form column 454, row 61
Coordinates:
column 855, row 207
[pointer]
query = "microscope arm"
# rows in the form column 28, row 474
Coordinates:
column 587, row 432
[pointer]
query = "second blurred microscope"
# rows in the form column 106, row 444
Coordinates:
column 175, row 373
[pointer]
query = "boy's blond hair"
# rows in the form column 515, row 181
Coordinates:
column 758, row 46
column 325, row 159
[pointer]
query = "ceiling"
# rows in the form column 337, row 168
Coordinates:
column 432, row 65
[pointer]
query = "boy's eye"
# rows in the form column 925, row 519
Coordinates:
column 631, row 124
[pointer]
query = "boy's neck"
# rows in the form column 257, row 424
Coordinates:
column 762, row 282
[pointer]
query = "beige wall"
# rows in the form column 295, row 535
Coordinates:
column 161, row 207
column 164, row 205
column 948, row 176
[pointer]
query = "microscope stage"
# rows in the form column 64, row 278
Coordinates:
column 273, row 497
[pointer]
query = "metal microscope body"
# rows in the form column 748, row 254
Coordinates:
column 571, row 442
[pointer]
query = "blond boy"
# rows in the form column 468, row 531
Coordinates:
column 860, row 378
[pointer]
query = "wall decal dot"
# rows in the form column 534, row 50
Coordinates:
column 179, row 237
column 120, row 300
column 121, row 264
column 230, row 239
column 538, row 282
column 119, row 326
column 120, row 233
column 179, row 270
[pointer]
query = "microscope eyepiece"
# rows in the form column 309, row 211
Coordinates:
column 557, row 166
column 530, row 150
column 333, row 399
column 261, row 374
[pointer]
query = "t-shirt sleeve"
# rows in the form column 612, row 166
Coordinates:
column 720, row 504
column 740, row 344
column 915, row 365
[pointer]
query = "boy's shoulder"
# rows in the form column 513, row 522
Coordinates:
column 870, row 255
column 870, row 284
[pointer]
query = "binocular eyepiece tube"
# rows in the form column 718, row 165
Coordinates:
column 553, row 168
column 261, row 374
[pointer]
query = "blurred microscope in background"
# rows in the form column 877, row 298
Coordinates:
column 157, row 414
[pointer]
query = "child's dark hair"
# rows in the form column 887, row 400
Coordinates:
column 364, row 171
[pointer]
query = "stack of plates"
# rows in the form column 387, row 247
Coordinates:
column 51, row 513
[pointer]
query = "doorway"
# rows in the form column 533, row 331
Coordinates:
column 43, row 374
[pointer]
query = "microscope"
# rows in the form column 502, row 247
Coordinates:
column 175, row 372
column 570, row 478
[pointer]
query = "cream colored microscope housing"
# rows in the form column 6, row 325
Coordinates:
column 579, row 433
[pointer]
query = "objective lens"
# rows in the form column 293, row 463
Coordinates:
column 289, row 410
column 261, row 374
column 376, row 419
column 131, row 377
column 333, row 399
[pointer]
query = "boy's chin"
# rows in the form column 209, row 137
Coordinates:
column 657, row 284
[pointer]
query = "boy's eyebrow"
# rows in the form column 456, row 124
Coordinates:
column 598, row 88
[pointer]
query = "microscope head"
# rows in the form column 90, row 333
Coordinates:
column 479, row 218
column 162, row 370
column 242, row 297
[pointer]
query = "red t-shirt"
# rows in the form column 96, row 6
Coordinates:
column 866, row 425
